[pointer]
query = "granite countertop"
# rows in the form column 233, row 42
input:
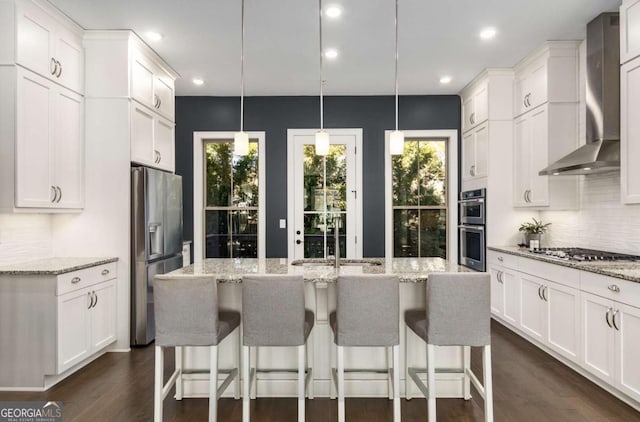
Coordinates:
column 627, row 270
column 409, row 270
column 53, row 266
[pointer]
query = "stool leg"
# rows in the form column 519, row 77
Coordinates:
column 340, row 359
column 179, row 385
column 396, row 383
column 488, row 384
column 466, row 352
column 332, row 365
column 246, row 381
column 237, row 363
column 158, row 384
column 213, row 384
column 389, row 372
column 254, row 381
column 407, row 377
column 431, row 382
column 309, row 349
column 301, row 383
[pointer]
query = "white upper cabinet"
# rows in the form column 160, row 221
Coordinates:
column 151, row 86
column 629, row 30
column 475, row 145
column 546, row 125
column 49, row 47
column 475, row 107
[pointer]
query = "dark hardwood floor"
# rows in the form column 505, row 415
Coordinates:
column 529, row 385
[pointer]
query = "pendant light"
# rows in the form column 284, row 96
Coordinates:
column 322, row 137
column 396, row 142
column 241, row 139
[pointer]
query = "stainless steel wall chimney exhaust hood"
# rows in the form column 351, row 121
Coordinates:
column 601, row 153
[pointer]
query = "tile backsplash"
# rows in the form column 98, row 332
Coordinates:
column 24, row 237
column 602, row 222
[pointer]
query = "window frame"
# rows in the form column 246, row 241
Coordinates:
column 451, row 137
column 199, row 140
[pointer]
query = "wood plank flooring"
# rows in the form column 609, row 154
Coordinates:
column 529, row 385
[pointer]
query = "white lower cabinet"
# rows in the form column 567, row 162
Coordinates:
column 533, row 316
column 562, row 319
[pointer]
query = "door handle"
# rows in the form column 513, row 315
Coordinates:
column 606, row 317
column 539, row 292
column 90, row 300
column 613, row 319
column 544, row 293
column 96, row 296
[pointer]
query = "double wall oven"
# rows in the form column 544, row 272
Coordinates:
column 473, row 207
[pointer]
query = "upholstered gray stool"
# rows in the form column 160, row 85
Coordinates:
column 457, row 314
column 367, row 314
column 274, row 314
column 186, row 314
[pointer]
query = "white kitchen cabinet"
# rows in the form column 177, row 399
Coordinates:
column 533, row 316
column 49, row 45
column 46, row 144
column 497, row 291
column 530, row 86
column 598, row 336
column 152, row 86
column 562, row 319
column 542, row 136
column 629, row 30
column 630, row 129
column 475, row 145
column 152, row 138
column 475, row 108
column 627, row 348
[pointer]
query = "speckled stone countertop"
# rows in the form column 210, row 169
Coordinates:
column 627, row 270
column 410, row 270
column 53, row 266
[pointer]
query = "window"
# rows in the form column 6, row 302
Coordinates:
column 419, row 199
column 231, row 200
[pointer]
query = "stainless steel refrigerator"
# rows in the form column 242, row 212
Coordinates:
column 156, row 242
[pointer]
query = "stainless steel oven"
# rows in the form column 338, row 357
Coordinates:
column 472, row 247
column 473, row 207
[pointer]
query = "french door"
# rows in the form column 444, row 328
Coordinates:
column 324, row 192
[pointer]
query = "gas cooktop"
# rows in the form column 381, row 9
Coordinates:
column 580, row 254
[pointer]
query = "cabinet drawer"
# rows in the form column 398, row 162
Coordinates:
column 86, row 277
column 613, row 288
column 503, row 259
column 562, row 275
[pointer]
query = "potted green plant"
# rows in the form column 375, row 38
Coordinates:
column 533, row 230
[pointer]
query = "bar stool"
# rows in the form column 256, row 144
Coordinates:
column 274, row 314
column 457, row 314
column 367, row 315
column 186, row 314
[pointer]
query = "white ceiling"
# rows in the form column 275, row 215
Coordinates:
column 202, row 38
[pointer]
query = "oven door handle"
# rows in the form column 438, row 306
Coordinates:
column 472, row 201
column 471, row 228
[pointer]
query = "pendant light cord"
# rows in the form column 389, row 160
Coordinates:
column 321, row 81
column 396, row 71
column 242, row 68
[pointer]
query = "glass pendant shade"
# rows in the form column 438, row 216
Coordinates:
column 322, row 143
column 241, row 143
column 396, row 144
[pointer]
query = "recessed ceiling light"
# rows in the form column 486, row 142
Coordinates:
column 154, row 36
column 333, row 11
column 445, row 80
column 488, row 33
column 331, row 53
column 198, row 81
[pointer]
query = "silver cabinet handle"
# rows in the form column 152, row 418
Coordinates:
column 524, row 195
column 96, row 302
column 59, row 72
column 159, row 102
column 499, row 276
column 105, row 271
column 472, row 170
column 472, row 118
column 159, row 157
column 90, row 300
column 500, row 259
column 75, row 280
column 55, row 194
column 157, row 154
column 614, row 288
column 606, row 317
column 539, row 292
column 613, row 319
column 545, row 296
column 527, row 195
column 59, row 193
column 53, row 66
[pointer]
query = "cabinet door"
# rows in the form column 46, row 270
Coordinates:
column 142, row 122
column 481, row 140
column 103, row 316
column 511, row 286
column 163, row 88
column 35, row 39
column 627, row 322
column 467, row 113
column 497, row 291
column 142, row 79
column 563, row 319
column 533, row 316
column 73, row 328
column 481, row 104
column 536, row 84
column 629, row 30
column 630, row 129
column 164, row 143
column 68, row 149
column 70, row 55
column 34, row 187
column 538, row 139
column 468, row 155
column 598, row 336
column 522, row 160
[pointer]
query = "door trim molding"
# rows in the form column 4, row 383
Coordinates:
column 198, row 189
column 452, row 188
column 291, row 134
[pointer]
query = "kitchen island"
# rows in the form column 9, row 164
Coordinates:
column 320, row 297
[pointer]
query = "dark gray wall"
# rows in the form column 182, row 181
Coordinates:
column 274, row 115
